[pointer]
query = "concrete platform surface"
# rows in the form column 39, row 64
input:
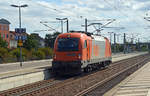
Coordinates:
column 137, row 84
column 30, row 64
column 13, row 68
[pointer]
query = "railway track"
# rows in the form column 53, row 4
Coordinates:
column 98, row 89
column 79, row 85
column 27, row 88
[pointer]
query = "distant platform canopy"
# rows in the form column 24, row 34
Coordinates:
column 4, row 21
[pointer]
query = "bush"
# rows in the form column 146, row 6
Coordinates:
column 16, row 53
column 13, row 55
column 3, row 43
column 47, row 51
column 3, row 54
column 144, row 48
column 38, row 54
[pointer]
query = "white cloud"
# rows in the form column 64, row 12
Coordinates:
column 129, row 13
column 138, row 6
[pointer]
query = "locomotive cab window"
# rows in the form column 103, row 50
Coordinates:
column 68, row 44
column 85, row 44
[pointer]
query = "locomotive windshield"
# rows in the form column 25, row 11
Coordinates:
column 68, row 44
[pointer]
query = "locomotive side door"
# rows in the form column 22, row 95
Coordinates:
column 88, row 50
column 85, row 50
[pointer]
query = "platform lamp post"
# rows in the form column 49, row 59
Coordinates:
column 61, row 20
column 20, row 6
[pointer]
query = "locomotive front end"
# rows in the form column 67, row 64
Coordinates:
column 67, row 55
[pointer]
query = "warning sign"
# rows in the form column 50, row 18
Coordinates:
column 20, row 43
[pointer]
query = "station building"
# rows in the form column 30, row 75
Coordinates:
column 13, row 42
column 9, row 36
column 4, row 30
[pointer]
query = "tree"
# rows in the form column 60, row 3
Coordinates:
column 3, row 54
column 30, row 43
column 3, row 43
column 47, row 51
column 50, row 39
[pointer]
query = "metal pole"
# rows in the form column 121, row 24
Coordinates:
column 114, row 42
column 110, row 38
column 85, row 25
column 138, row 44
column 19, row 17
column 118, row 37
column 61, row 26
column 67, row 26
column 124, row 43
column 20, row 35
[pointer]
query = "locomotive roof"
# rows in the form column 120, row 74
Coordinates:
column 74, row 34
column 98, row 38
column 94, row 37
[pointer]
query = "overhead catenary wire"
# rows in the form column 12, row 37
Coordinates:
column 114, row 7
column 140, row 17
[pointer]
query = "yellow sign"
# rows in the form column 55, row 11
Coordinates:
column 20, row 44
column 19, row 41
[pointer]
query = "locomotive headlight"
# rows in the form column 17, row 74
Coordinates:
column 79, row 56
column 54, row 56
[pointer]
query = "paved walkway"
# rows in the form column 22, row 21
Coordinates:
column 137, row 84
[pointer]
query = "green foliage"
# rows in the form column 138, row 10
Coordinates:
column 50, row 39
column 16, row 53
column 119, row 47
column 47, row 51
column 5, row 56
column 30, row 50
column 3, row 43
column 144, row 48
column 38, row 54
column 3, row 53
column 25, row 52
column 30, row 43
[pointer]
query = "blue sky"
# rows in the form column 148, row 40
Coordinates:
column 128, row 14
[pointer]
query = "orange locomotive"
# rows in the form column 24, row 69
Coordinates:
column 74, row 52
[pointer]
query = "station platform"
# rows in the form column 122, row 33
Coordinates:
column 12, row 75
column 12, row 67
column 137, row 84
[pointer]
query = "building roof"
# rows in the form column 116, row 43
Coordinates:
column 4, row 21
column 12, row 32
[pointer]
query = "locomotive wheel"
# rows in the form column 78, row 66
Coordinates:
column 103, row 66
column 88, row 68
column 85, row 69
